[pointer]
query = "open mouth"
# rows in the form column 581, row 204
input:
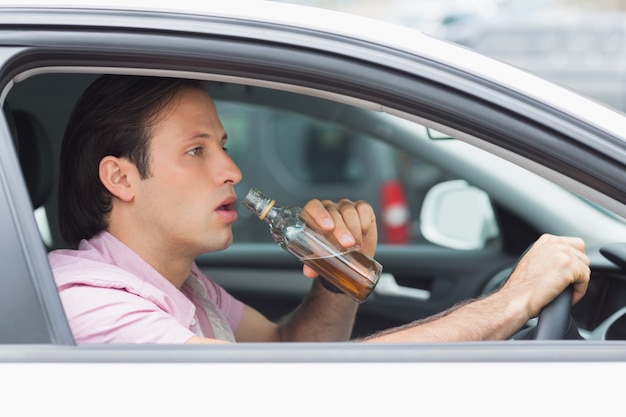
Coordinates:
column 228, row 204
column 227, row 207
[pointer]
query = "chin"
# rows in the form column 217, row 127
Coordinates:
column 215, row 245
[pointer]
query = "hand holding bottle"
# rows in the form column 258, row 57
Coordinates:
column 334, row 240
column 352, row 224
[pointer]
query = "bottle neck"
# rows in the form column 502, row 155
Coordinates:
column 266, row 209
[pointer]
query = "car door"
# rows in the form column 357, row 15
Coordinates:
column 420, row 278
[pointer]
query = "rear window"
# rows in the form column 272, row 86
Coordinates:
column 306, row 149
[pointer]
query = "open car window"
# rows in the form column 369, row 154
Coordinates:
column 435, row 197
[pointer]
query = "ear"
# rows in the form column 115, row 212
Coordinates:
column 117, row 175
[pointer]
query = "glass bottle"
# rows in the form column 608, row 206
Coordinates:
column 347, row 269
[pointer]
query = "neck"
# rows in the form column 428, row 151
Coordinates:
column 174, row 267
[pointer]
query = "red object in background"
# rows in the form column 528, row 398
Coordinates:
column 395, row 222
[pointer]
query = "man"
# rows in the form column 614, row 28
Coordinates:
column 147, row 185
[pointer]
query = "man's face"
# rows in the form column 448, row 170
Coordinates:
column 188, row 203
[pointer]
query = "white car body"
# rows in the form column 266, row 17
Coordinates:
column 486, row 378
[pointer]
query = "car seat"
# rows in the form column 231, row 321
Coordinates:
column 35, row 155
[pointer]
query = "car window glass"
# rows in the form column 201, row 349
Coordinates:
column 325, row 153
column 310, row 150
column 296, row 156
column 294, row 148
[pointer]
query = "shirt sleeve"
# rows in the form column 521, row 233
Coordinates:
column 114, row 315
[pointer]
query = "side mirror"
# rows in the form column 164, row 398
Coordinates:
column 458, row 215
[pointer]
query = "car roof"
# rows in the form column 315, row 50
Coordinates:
column 353, row 26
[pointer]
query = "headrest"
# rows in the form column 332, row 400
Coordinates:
column 35, row 156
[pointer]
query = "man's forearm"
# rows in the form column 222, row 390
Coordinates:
column 323, row 316
column 495, row 317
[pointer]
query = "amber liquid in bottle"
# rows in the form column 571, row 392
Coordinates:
column 358, row 284
column 349, row 270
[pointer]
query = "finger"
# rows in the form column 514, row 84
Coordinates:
column 309, row 272
column 581, row 280
column 580, row 289
column 347, row 223
column 318, row 211
column 366, row 215
column 579, row 267
column 369, row 228
column 575, row 242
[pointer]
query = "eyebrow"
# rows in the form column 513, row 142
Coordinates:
column 207, row 136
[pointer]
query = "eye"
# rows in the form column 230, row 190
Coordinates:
column 196, row 151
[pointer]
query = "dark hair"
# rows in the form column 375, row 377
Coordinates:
column 114, row 116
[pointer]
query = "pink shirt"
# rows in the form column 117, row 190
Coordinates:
column 111, row 295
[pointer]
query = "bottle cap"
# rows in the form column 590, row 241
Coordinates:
column 258, row 203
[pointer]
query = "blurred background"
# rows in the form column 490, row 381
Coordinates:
column 580, row 44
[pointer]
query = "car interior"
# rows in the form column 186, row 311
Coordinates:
column 38, row 108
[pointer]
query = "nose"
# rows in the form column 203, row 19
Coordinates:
column 231, row 171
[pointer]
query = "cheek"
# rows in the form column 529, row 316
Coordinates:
column 161, row 195
column 176, row 191
column 184, row 200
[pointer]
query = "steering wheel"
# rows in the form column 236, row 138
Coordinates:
column 555, row 319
